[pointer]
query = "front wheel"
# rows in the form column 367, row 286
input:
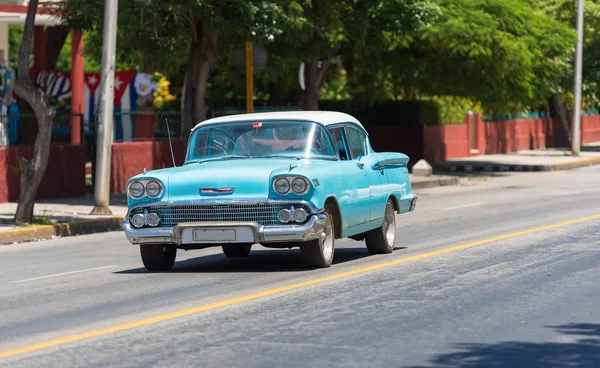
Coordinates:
column 236, row 250
column 381, row 240
column 158, row 257
column 319, row 252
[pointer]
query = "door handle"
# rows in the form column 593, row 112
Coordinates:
column 360, row 165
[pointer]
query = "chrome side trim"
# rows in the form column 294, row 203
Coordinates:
column 262, row 234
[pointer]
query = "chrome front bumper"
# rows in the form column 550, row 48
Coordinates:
column 249, row 232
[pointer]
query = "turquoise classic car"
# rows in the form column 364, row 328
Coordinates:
column 282, row 180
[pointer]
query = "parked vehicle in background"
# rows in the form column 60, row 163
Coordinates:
column 281, row 179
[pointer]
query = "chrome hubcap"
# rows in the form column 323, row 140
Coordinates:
column 327, row 239
column 389, row 225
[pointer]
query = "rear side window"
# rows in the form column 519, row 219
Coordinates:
column 356, row 141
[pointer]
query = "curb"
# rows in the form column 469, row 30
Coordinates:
column 472, row 166
column 44, row 232
column 436, row 182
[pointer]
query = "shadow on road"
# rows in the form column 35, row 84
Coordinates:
column 258, row 261
column 579, row 350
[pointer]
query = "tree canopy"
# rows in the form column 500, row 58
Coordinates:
column 503, row 54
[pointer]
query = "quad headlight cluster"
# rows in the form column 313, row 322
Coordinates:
column 294, row 184
column 142, row 219
column 140, row 188
column 292, row 215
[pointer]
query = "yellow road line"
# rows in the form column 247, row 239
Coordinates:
column 228, row 302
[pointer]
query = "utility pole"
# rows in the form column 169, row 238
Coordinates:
column 576, row 138
column 105, row 125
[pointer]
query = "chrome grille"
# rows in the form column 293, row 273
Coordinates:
column 262, row 213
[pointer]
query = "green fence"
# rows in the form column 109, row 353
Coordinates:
column 531, row 114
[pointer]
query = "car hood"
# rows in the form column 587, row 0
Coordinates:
column 249, row 178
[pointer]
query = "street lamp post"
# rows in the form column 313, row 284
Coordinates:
column 105, row 125
column 576, row 136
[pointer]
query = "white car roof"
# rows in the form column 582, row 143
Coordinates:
column 323, row 117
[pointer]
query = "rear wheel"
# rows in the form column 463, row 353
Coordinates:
column 381, row 240
column 158, row 257
column 319, row 252
column 236, row 250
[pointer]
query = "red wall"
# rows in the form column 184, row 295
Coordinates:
column 590, row 128
column 64, row 177
column 437, row 143
column 434, row 143
column 431, row 142
column 519, row 135
column 130, row 159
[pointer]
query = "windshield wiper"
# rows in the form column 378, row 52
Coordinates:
column 228, row 157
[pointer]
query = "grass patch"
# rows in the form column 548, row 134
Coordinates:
column 43, row 219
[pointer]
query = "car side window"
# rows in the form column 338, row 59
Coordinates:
column 340, row 142
column 356, row 142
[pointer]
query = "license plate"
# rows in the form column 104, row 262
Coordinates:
column 200, row 235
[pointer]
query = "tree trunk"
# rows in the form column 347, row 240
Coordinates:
column 275, row 98
column 561, row 113
column 202, row 55
column 409, row 93
column 32, row 172
column 55, row 41
column 314, row 77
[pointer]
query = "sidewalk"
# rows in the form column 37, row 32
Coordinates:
column 61, row 217
column 539, row 160
column 423, row 182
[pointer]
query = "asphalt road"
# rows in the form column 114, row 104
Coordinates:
column 515, row 292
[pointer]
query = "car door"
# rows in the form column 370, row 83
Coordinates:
column 354, row 195
column 376, row 179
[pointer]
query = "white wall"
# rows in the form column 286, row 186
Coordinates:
column 3, row 42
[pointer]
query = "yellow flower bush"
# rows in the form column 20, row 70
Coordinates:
column 162, row 93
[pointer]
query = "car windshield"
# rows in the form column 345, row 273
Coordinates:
column 301, row 139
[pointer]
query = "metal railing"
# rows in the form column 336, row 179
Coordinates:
column 129, row 126
column 21, row 129
column 133, row 126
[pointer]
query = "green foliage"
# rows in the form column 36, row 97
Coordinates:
column 15, row 35
column 565, row 11
column 375, row 54
column 499, row 52
column 452, row 109
column 505, row 54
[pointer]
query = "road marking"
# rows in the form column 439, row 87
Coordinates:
column 63, row 274
column 463, row 206
column 279, row 290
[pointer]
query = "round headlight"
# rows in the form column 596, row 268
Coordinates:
column 299, row 185
column 153, row 188
column 282, row 186
column 300, row 215
column 153, row 219
column 284, row 216
column 138, row 220
column 136, row 189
